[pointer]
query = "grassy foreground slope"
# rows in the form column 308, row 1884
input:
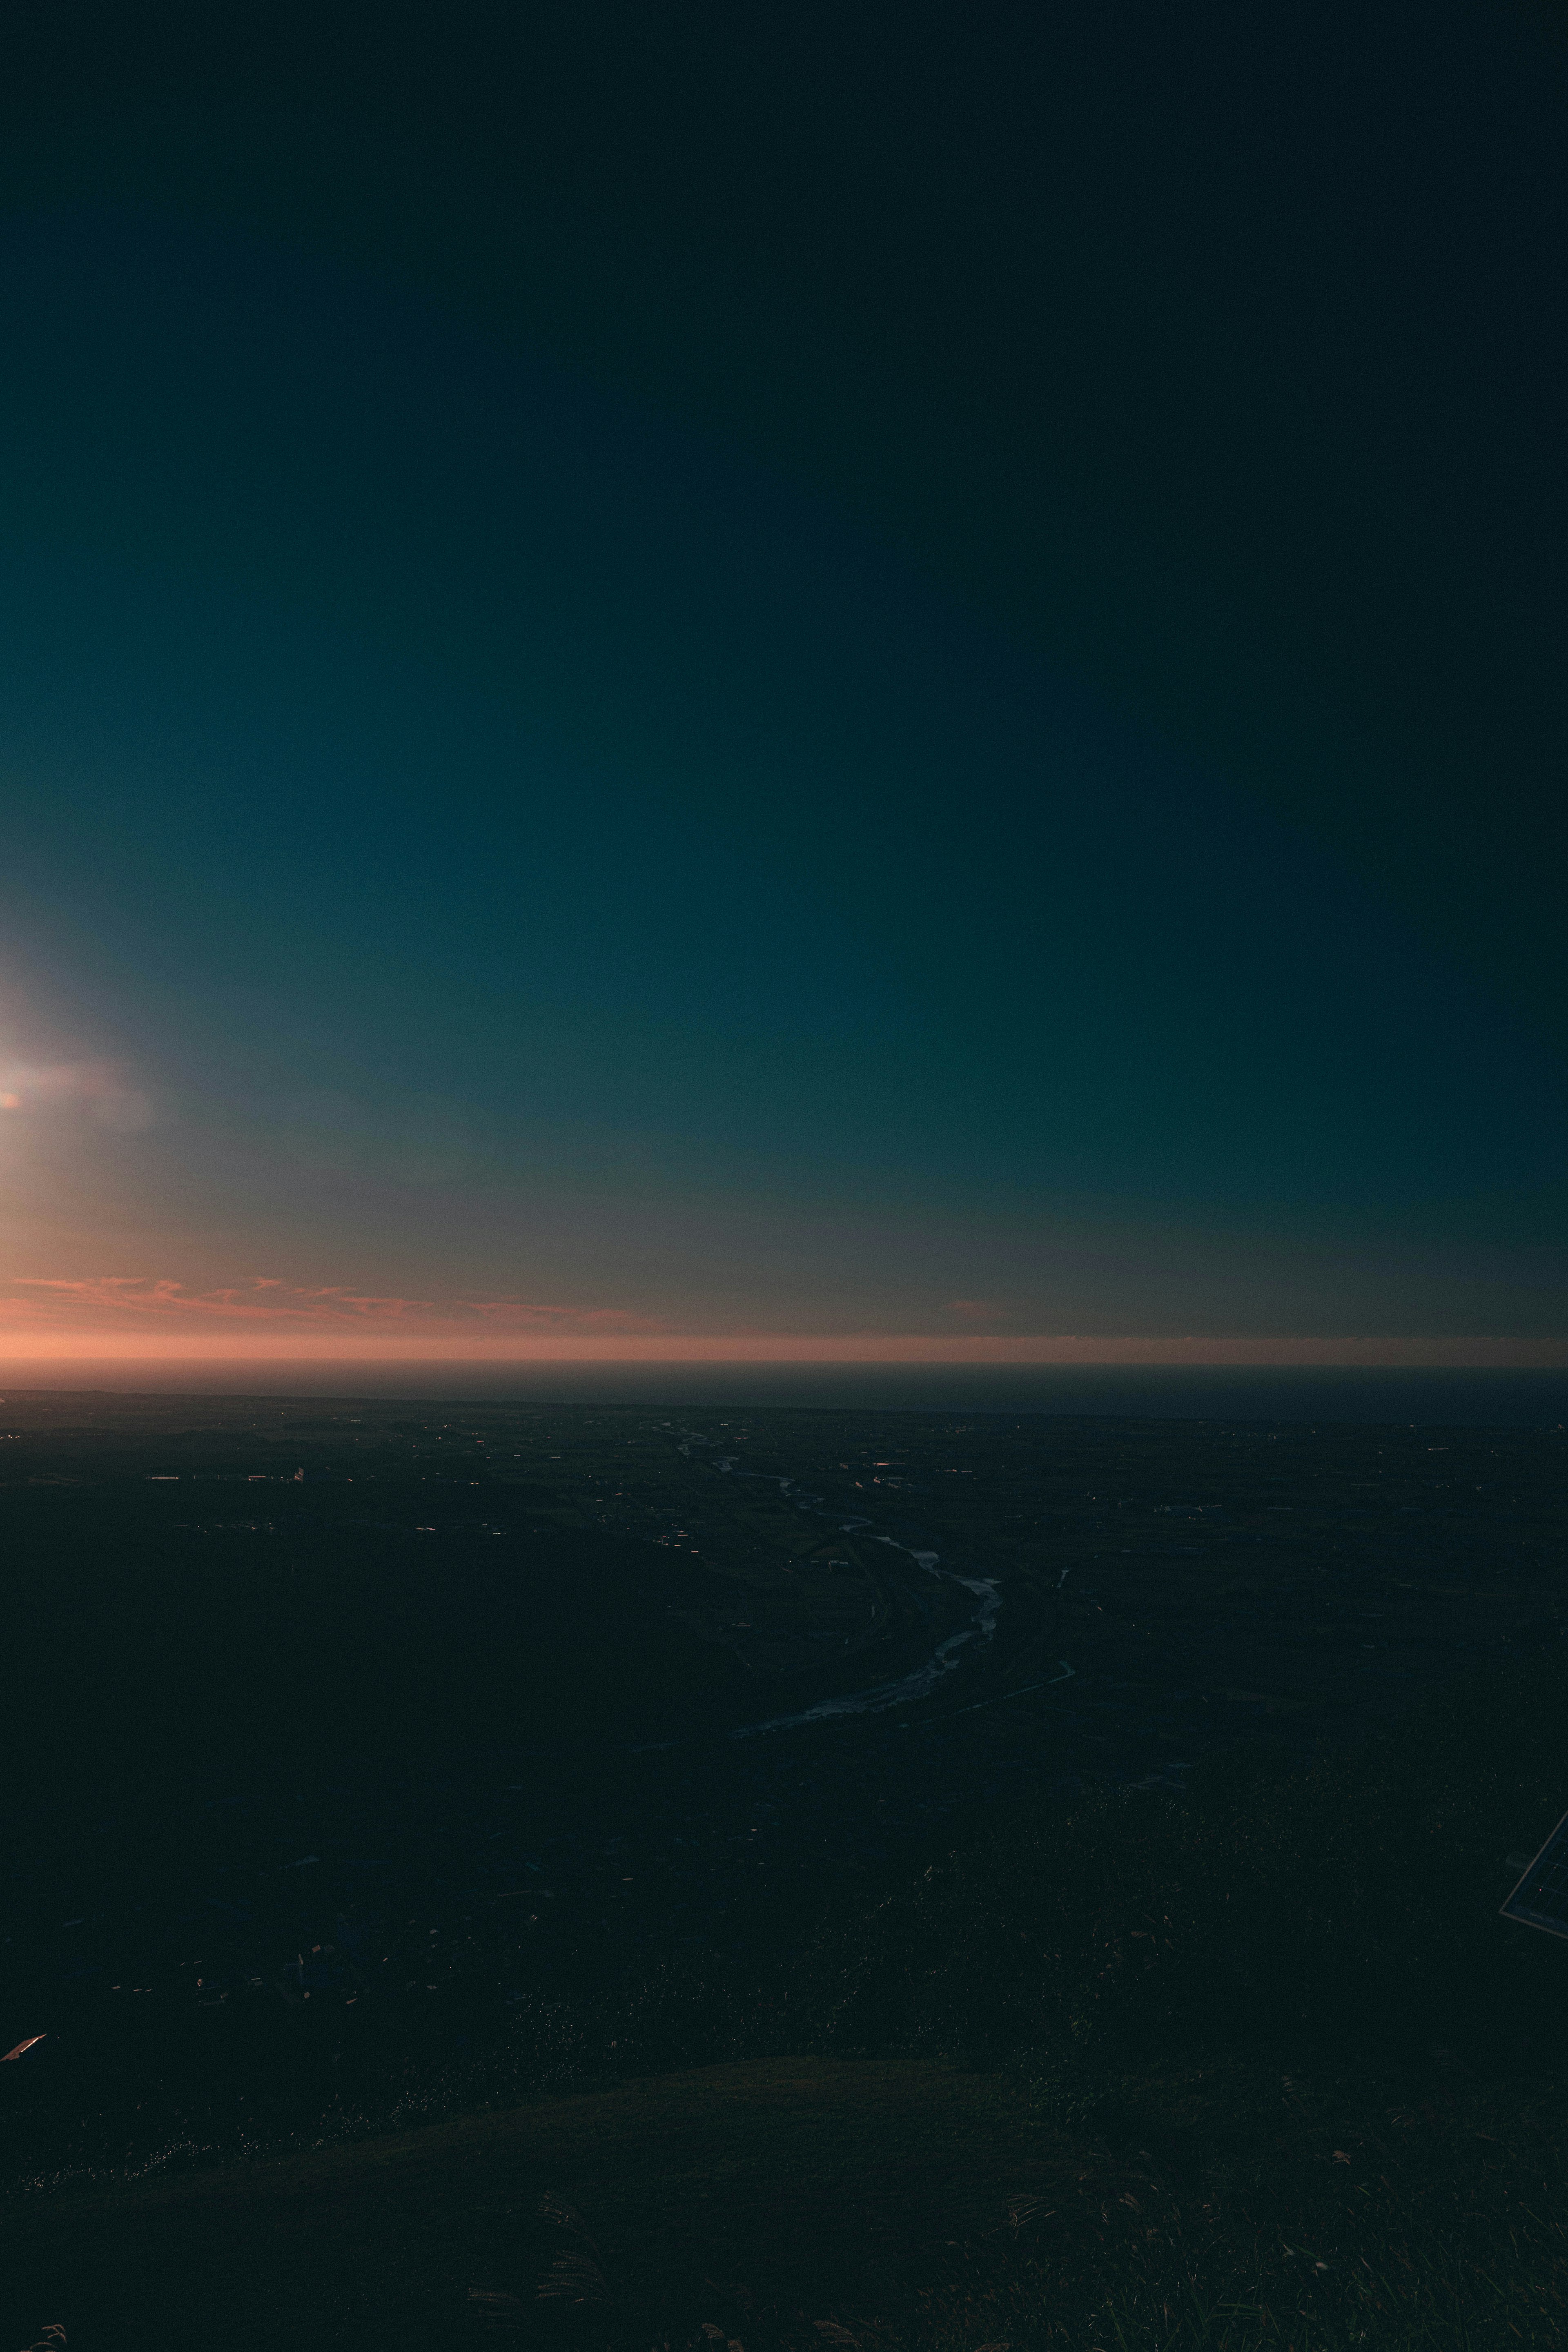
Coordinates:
column 1259, row 2066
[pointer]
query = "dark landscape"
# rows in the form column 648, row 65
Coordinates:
column 421, row 1813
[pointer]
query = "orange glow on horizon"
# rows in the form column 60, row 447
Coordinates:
column 24, row 1343
column 125, row 1319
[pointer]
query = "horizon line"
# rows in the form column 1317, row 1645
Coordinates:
column 1283, row 1351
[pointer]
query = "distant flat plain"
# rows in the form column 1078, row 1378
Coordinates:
column 416, row 1708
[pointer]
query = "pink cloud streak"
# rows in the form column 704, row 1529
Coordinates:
column 265, row 1303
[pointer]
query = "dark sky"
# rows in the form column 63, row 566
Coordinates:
column 693, row 671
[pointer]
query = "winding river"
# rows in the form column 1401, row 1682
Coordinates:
column 905, row 1688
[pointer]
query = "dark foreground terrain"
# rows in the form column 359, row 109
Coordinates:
column 801, row 1877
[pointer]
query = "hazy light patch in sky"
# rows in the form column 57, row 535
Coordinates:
column 98, row 1087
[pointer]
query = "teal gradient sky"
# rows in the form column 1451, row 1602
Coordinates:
column 663, row 691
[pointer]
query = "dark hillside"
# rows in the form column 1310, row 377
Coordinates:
column 1259, row 2066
